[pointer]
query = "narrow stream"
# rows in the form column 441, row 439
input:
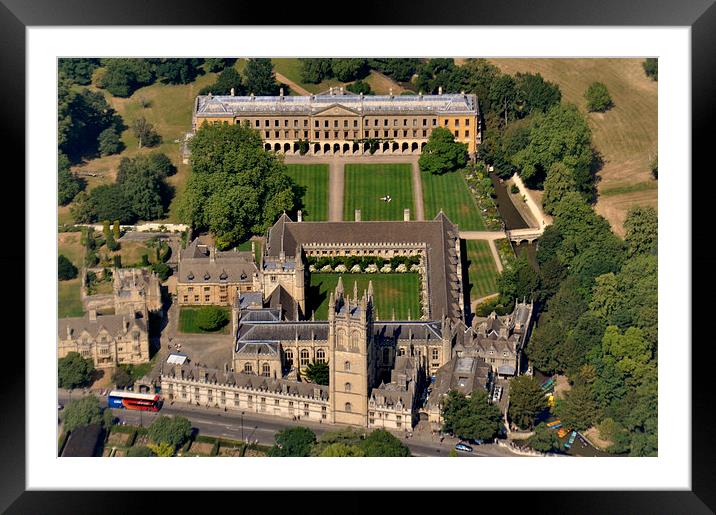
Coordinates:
column 513, row 219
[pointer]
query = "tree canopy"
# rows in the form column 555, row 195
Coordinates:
column 211, row 318
column 598, row 98
column 77, row 70
column 642, row 231
column 473, row 418
column 227, row 80
column 294, row 441
column 122, row 77
column 562, row 134
column 82, row 412
column 237, row 189
column 65, row 269
column 651, row 68
column 260, row 78
column 318, row 372
column 527, row 400
column 73, row 370
column 442, row 154
column 170, row 430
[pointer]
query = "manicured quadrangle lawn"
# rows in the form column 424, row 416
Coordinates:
column 366, row 184
column 390, row 291
column 482, row 270
column 314, row 178
column 188, row 322
column 450, row 193
column 69, row 300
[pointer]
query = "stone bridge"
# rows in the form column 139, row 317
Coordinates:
column 529, row 235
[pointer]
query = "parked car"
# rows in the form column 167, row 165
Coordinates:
column 463, row 447
column 477, row 442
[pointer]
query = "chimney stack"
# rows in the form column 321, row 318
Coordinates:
column 391, row 92
column 357, row 215
column 232, row 92
column 406, row 215
column 281, row 92
column 440, row 90
column 212, row 254
column 299, row 215
column 93, row 315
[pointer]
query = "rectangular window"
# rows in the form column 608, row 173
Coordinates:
column 376, row 133
column 457, row 123
column 257, row 123
column 207, row 298
column 275, row 123
column 467, row 122
column 415, row 122
column 425, row 134
column 425, row 122
column 345, row 134
column 467, row 134
column 446, row 123
column 395, row 134
column 305, row 123
column 316, row 124
column 325, row 123
column 266, row 123
column 326, row 135
column 196, row 298
column 285, row 123
column 306, row 414
column 275, row 402
column 276, row 134
column 305, row 134
column 207, row 288
column 367, row 134
column 335, row 134
column 457, row 133
column 375, row 122
column 355, row 123
column 385, row 134
column 318, row 135
column 395, row 122
column 266, row 133
column 295, row 123
column 186, row 298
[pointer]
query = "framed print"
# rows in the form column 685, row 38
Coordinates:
column 424, row 236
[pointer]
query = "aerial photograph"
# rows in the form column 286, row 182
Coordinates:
column 357, row 257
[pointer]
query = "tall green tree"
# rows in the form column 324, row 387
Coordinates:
column 237, row 188
column 260, row 78
column 68, row 186
column 82, row 412
column 535, row 93
column 65, row 269
column 579, row 409
column 473, row 418
column 383, row 444
column 598, row 98
column 177, row 71
column 142, row 182
column 227, row 80
column 77, row 70
column 294, row 441
column 527, row 400
column 642, row 230
column 518, row 279
column 124, row 76
column 651, row 68
column 170, row 430
column 318, row 372
column 342, row 450
column 559, row 182
column 145, row 133
column 315, row 70
column 562, row 134
column 73, row 370
column 109, row 142
column 442, row 154
column 544, row 439
column 347, row 70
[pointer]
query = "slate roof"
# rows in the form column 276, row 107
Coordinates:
column 196, row 265
column 439, row 235
column 281, row 298
column 84, row 442
column 283, row 330
column 113, row 324
column 258, row 348
column 464, row 374
column 226, row 105
column 402, row 330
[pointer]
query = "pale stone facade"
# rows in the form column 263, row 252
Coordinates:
column 136, row 290
column 109, row 340
column 343, row 123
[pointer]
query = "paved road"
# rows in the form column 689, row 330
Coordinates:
column 213, row 422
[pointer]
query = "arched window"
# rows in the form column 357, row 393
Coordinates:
column 401, row 352
column 289, row 358
column 348, row 387
column 266, row 370
column 248, row 368
column 347, row 366
column 304, row 357
column 321, row 356
column 348, row 407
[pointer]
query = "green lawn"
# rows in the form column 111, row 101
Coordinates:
column 399, row 292
column 450, row 193
column 313, row 177
column 482, row 270
column 366, row 184
column 69, row 301
column 188, row 322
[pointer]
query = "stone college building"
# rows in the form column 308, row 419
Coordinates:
column 340, row 122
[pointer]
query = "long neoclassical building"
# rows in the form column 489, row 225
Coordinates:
column 341, row 122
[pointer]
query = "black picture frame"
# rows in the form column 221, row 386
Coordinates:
column 16, row 15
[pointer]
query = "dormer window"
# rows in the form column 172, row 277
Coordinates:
column 224, row 275
column 190, row 276
column 207, row 276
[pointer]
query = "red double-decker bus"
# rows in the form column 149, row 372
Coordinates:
column 135, row 401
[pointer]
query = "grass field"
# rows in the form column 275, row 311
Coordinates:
column 188, row 322
column 626, row 135
column 313, row 177
column 482, row 270
column 449, row 192
column 366, row 184
column 399, row 292
column 69, row 301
